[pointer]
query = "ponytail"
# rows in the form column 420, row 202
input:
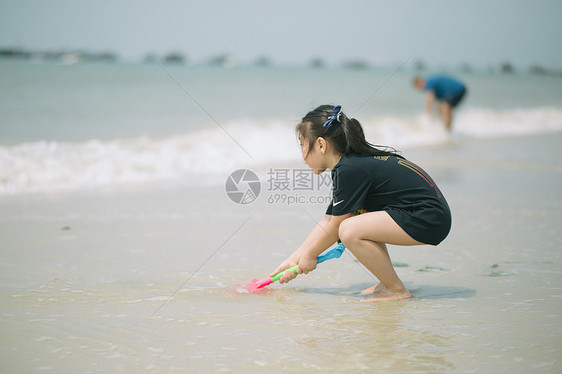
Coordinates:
column 345, row 134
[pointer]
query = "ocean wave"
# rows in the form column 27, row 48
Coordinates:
column 43, row 166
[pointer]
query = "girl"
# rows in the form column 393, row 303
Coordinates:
column 379, row 198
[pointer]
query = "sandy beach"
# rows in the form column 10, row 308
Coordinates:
column 150, row 172
column 83, row 273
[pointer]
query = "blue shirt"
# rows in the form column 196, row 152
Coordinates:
column 444, row 87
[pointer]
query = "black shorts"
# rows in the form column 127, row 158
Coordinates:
column 454, row 100
column 429, row 225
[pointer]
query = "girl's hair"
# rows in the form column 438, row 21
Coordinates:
column 345, row 134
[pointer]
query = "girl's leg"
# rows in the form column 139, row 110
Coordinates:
column 374, row 289
column 366, row 236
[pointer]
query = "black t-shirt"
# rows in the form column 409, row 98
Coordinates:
column 395, row 185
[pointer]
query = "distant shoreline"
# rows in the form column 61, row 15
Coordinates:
column 75, row 56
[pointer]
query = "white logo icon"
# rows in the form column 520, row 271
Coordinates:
column 243, row 186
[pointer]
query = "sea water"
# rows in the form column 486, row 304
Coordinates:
column 144, row 279
column 84, row 126
column 120, row 250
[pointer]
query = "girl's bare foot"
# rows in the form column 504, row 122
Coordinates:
column 387, row 295
column 375, row 289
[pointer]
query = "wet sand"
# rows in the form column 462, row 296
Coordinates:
column 82, row 275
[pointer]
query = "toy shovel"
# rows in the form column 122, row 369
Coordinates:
column 335, row 252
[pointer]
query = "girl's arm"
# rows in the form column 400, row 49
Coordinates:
column 322, row 236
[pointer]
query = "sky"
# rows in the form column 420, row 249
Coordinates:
column 440, row 33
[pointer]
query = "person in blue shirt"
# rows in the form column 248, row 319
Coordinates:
column 447, row 91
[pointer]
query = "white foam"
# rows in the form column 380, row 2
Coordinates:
column 56, row 166
column 487, row 123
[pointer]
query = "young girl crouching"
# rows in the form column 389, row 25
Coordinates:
column 379, row 198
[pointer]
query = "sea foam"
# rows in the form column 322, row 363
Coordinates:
column 39, row 167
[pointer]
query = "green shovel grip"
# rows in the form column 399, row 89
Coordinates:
column 278, row 276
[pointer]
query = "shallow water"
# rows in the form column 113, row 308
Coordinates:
column 143, row 279
column 73, row 128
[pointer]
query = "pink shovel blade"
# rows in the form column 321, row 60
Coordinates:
column 262, row 282
column 254, row 286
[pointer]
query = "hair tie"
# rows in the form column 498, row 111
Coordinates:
column 334, row 117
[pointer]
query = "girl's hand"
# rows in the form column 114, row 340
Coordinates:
column 288, row 275
column 307, row 264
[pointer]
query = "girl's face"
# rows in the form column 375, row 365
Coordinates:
column 313, row 158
